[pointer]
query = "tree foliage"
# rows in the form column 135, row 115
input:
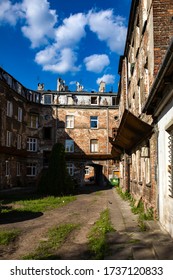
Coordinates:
column 56, row 180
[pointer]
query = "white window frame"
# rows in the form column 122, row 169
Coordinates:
column 170, row 161
column 19, row 141
column 9, row 108
column 32, row 144
column 18, row 169
column 69, row 121
column 32, row 166
column 94, row 146
column 70, row 168
column 93, row 119
column 8, row 138
column 69, row 146
column 20, row 114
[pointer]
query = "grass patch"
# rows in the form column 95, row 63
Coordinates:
column 8, row 236
column 97, row 236
column 41, row 204
column 137, row 210
column 53, row 240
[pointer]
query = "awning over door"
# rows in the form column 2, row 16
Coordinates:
column 131, row 131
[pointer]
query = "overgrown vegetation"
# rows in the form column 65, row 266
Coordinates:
column 97, row 236
column 41, row 204
column 53, row 240
column 56, row 180
column 137, row 209
column 8, row 236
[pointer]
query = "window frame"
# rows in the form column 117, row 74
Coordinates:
column 94, row 146
column 18, row 169
column 33, row 168
column 20, row 113
column 19, row 141
column 69, row 148
column 70, row 168
column 7, row 168
column 92, row 121
column 96, row 98
column 9, row 108
column 50, row 96
column 34, row 122
column 8, row 138
column 32, row 144
column 69, row 123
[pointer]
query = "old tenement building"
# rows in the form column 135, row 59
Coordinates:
column 145, row 91
column 97, row 128
column 32, row 121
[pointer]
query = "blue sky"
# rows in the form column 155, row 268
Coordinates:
column 77, row 40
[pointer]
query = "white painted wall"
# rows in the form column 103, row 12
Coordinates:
column 165, row 201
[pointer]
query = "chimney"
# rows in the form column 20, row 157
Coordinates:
column 40, row 86
column 102, row 86
column 61, row 85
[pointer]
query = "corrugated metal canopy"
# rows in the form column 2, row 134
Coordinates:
column 131, row 131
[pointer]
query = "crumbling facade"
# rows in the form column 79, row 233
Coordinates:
column 149, row 35
column 31, row 122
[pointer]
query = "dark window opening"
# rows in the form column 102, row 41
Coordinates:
column 47, row 133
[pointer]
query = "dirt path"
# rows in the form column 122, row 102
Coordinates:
column 84, row 211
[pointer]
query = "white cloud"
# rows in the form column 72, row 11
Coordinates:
column 40, row 21
column 10, row 13
column 109, row 28
column 72, row 30
column 96, row 63
column 108, row 79
column 61, row 62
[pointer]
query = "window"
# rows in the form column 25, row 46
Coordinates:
column 87, row 170
column 8, row 140
column 70, row 168
column 69, row 146
column 19, row 141
column 7, row 168
column 47, row 99
column 94, row 146
column 93, row 100
column 113, row 100
column 34, row 121
column 69, row 121
column 31, row 169
column 18, row 173
column 32, row 144
column 94, row 122
column 47, row 133
column 19, row 114
column 9, row 109
column 170, row 163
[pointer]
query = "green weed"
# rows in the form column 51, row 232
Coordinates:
column 97, row 235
